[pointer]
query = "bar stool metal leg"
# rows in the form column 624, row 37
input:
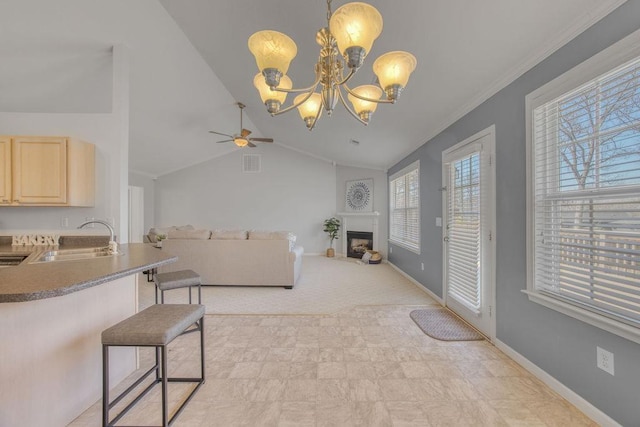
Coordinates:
column 165, row 400
column 105, row 385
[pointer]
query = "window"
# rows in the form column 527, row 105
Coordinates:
column 404, row 209
column 584, row 196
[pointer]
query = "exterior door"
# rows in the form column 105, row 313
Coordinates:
column 468, row 236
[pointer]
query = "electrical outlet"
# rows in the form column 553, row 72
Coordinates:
column 64, row 222
column 438, row 222
column 605, row 360
column 422, row 266
column 390, row 250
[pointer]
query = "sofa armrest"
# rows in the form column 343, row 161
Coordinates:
column 296, row 258
column 298, row 251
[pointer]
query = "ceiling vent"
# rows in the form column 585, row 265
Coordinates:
column 251, row 163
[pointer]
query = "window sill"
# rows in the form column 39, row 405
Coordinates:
column 618, row 328
column 403, row 245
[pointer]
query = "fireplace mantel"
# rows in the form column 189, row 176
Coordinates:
column 360, row 214
column 374, row 221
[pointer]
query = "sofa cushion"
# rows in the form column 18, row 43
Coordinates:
column 185, row 227
column 273, row 235
column 229, row 235
column 155, row 231
column 190, row 234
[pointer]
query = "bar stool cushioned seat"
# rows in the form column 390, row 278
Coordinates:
column 155, row 326
column 178, row 279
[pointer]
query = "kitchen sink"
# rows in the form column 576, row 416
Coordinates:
column 74, row 254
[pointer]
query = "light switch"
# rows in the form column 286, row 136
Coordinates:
column 438, row 222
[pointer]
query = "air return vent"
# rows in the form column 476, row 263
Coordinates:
column 251, row 163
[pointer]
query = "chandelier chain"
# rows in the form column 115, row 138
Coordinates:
column 328, row 11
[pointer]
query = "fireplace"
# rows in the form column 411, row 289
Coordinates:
column 358, row 242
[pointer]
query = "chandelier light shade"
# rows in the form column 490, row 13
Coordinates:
column 355, row 27
column 363, row 108
column 393, row 70
column 344, row 44
column 273, row 99
column 310, row 108
column 273, row 51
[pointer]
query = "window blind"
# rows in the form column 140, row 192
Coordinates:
column 404, row 215
column 586, row 172
column 464, row 232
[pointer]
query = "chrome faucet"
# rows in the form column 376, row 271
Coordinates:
column 113, row 246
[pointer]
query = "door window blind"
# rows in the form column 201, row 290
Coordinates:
column 404, row 215
column 464, row 231
column 586, row 181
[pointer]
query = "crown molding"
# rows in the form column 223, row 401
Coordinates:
column 144, row 174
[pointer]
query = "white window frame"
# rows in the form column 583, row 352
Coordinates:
column 623, row 51
column 415, row 166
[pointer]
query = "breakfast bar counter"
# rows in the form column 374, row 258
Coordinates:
column 32, row 281
column 51, row 317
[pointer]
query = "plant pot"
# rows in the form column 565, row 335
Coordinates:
column 331, row 253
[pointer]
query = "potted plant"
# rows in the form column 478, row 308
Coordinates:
column 331, row 227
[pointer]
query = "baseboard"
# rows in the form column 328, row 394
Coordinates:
column 578, row 401
column 418, row 284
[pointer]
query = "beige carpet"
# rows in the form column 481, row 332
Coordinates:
column 326, row 286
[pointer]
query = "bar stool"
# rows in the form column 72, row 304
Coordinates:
column 178, row 279
column 156, row 326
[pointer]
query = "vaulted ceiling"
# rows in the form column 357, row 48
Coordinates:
column 466, row 50
column 189, row 63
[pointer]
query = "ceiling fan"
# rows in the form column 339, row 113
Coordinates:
column 241, row 139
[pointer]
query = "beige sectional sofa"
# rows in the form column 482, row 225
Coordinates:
column 236, row 257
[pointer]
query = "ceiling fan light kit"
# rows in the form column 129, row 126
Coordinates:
column 241, row 139
column 345, row 42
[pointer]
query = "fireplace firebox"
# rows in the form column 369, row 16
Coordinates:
column 358, row 242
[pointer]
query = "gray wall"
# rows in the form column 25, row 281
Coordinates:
column 562, row 346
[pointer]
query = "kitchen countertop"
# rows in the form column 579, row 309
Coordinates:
column 28, row 282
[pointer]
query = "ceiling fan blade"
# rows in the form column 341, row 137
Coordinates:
column 226, row 140
column 245, row 133
column 261, row 139
column 223, row 134
column 251, row 144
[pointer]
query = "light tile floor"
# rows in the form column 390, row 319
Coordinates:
column 368, row 366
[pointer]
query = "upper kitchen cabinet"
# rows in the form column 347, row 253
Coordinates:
column 46, row 171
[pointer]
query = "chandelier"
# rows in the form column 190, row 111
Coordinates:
column 345, row 42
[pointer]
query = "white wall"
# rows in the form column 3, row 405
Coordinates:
column 293, row 192
column 380, row 201
column 108, row 131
